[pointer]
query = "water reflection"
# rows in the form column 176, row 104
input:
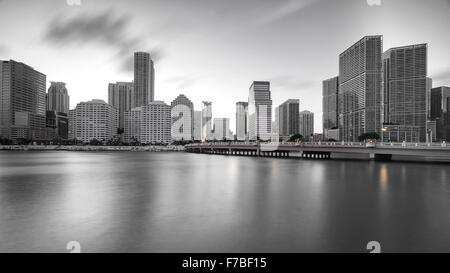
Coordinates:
column 177, row 202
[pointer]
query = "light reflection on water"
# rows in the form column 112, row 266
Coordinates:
column 179, row 202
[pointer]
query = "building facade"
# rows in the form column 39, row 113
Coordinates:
column 287, row 117
column 222, row 129
column 330, row 93
column 120, row 96
column 259, row 111
column 241, row 120
column 95, row 119
column 156, row 123
column 58, row 98
column 57, row 125
column 405, row 86
column 207, row 121
column 22, row 96
column 132, row 125
column 198, row 125
column 182, row 118
column 440, row 112
column 360, row 100
column 306, row 121
column 144, row 79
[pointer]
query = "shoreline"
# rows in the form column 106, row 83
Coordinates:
column 87, row 148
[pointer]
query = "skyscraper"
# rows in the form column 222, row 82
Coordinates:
column 306, row 121
column 22, row 101
column 132, row 125
column 288, row 117
column 182, row 118
column 259, row 111
column 156, row 123
column 144, row 79
column 206, row 121
column 440, row 111
column 405, row 88
column 330, row 91
column 120, row 96
column 241, row 120
column 58, row 98
column 197, row 125
column 94, row 119
column 360, row 92
column 221, row 128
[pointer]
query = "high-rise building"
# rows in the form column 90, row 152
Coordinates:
column 132, row 125
column 440, row 112
column 360, row 100
column 405, row 88
column 330, row 91
column 241, row 120
column 182, row 118
column 57, row 125
column 57, row 98
column 221, row 128
column 207, row 121
column 288, row 117
column 156, row 123
column 144, row 79
column 197, row 125
column 95, row 119
column 120, row 96
column 71, row 117
column 259, row 111
column 306, row 121
column 22, row 101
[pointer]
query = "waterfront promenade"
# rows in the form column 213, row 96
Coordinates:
column 324, row 150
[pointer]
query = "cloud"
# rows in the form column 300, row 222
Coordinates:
column 3, row 49
column 443, row 75
column 290, row 83
column 182, row 82
column 127, row 60
column 107, row 29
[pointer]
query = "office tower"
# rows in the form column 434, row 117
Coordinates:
column 259, row 111
column 330, row 91
column 182, row 118
column 132, row 125
column 405, row 85
column 58, row 98
column 95, row 119
column 241, row 120
column 287, row 117
column 206, row 121
column 360, row 98
column 197, row 125
column 221, row 128
column 144, row 79
column 57, row 125
column 306, row 121
column 120, row 96
column 156, row 123
column 22, row 101
column 440, row 112
column 71, row 118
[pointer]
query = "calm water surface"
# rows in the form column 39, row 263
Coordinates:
column 180, row 202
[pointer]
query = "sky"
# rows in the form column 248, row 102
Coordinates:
column 212, row 50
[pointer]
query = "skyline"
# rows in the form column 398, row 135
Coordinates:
column 209, row 57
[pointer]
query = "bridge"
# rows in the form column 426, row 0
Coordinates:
column 323, row 150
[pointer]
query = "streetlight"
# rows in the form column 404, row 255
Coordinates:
column 384, row 129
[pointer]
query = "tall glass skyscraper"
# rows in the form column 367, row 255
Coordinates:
column 144, row 79
column 241, row 120
column 259, row 111
column 330, row 90
column 57, row 98
column 440, row 111
column 22, row 101
column 120, row 96
column 306, row 124
column 288, row 117
column 360, row 91
column 405, row 87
